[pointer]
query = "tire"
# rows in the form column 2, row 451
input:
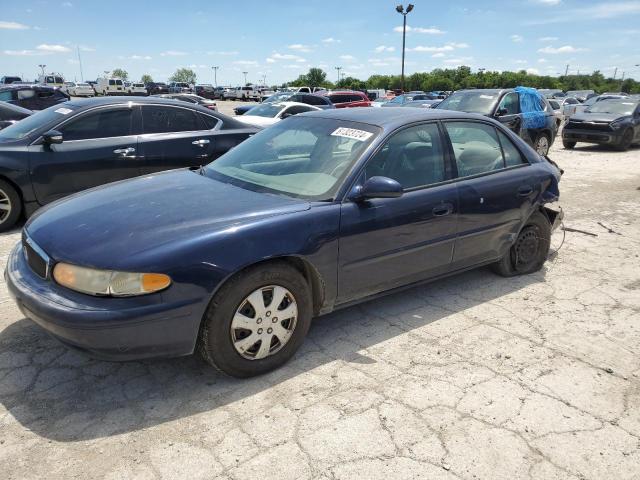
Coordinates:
column 529, row 251
column 218, row 338
column 10, row 206
column 542, row 144
column 625, row 141
column 568, row 145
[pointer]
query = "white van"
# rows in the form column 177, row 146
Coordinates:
column 110, row 86
column 51, row 80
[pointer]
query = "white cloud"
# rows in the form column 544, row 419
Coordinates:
column 384, row 48
column 270, row 60
column 275, row 56
column 549, row 2
column 246, row 63
column 293, row 67
column 20, row 53
column 542, row 60
column 428, row 31
column 517, row 38
column 173, row 53
column 565, row 49
column 331, row 40
column 347, row 58
column 438, row 55
column 13, row 26
column 459, row 61
column 533, row 71
column 548, row 39
column 228, row 53
column 139, row 57
column 300, row 47
column 84, row 48
column 520, row 62
column 52, row 48
column 449, row 47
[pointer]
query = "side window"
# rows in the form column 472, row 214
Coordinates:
column 476, row 148
column 46, row 93
column 512, row 155
column 208, row 121
column 26, row 94
column 412, row 156
column 511, row 103
column 6, row 96
column 100, row 124
column 296, row 109
column 157, row 119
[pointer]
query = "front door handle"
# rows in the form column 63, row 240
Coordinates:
column 125, row 152
column 201, row 142
column 442, row 210
column 525, row 190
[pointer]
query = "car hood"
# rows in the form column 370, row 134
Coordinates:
column 596, row 117
column 145, row 215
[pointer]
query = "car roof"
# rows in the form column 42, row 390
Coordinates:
column 20, row 86
column 390, row 118
column 485, row 90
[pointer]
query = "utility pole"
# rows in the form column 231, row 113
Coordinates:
column 615, row 73
column 215, row 75
column 42, row 66
column 245, row 78
column 566, row 71
column 338, row 69
column 622, row 79
column 80, row 62
column 400, row 9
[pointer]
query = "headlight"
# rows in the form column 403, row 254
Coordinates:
column 618, row 124
column 107, row 282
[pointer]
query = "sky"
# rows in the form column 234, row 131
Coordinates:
column 280, row 40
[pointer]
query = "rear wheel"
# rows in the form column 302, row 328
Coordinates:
column 625, row 141
column 529, row 251
column 10, row 206
column 568, row 145
column 257, row 321
column 542, row 144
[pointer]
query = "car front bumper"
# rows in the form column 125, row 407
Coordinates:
column 106, row 328
column 602, row 137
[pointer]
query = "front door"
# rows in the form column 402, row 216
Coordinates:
column 98, row 147
column 508, row 112
column 386, row 243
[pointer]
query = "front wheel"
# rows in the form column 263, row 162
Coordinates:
column 568, row 145
column 257, row 321
column 530, row 250
column 542, row 144
column 10, row 206
column 625, row 141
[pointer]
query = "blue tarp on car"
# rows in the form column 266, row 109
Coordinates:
column 532, row 108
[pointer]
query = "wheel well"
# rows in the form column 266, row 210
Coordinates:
column 16, row 188
column 308, row 271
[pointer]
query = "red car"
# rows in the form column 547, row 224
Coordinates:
column 348, row 99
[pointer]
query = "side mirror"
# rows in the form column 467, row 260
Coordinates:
column 378, row 187
column 286, row 115
column 52, row 136
column 501, row 112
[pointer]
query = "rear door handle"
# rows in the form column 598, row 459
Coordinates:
column 201, row 142
column 525, row 191
column 442, row 210
column 125, row 152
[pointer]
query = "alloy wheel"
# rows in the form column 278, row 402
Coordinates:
column 542, row 145
column 264, row 322
column 5, row 206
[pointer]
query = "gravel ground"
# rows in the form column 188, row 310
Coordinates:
column 474, row 377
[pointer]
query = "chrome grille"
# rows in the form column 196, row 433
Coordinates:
column 596, row 126
column 36, row 258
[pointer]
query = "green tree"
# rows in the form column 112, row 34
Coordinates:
column 146, row 78
column 120, row 73
column 183, row 75
column 316, row 77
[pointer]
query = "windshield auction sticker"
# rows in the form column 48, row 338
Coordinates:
column 353, row 133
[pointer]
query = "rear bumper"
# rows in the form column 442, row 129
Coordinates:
column 109, row 329
column 604, row 137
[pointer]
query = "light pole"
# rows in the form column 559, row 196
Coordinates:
column 42, row 66
column 338, row 69
column 245, row 77
column 400, row 9
column 215, row 75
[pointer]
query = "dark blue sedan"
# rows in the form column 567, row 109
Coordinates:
column 318, row 212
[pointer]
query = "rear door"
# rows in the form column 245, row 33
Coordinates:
column 390, row 242
column 98, row 147
column 496, row 190
column 178, row 137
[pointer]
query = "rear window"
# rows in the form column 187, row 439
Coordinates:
column 339, row 98
column 112, row 82
column 157, row 119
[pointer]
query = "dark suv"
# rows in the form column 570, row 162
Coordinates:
column 537, row 128
column 156, row 88
column 32, row 97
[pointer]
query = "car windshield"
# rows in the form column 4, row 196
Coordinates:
column 470, row 102
column 401, row 99
column 278, row 97
column 381, row 100
column 302, row 157
column 610, row 106
column 26, row 127
column 268, row 110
